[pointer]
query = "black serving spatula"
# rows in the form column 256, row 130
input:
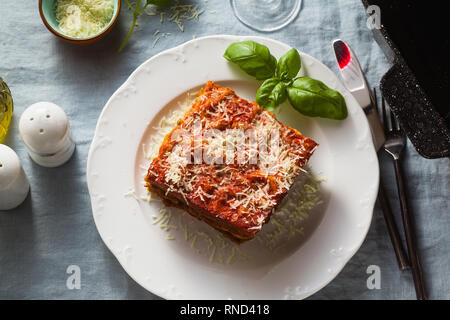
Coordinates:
column 414, row 37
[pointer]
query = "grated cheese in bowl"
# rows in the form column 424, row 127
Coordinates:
column 83, row 18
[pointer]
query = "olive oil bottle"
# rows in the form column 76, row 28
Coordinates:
column 6, row 109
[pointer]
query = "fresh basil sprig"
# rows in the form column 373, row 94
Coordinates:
column 271, row 94
column 289, row 65
column 308, row 96
column 314, row 99
column 253, row 58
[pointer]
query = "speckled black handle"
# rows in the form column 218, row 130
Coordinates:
column 422, row 124
column 419, row 118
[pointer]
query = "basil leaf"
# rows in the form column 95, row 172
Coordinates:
column 271, row 94
column 161, row 3
column 254, row 58
column 313, row 98
column 289, row 65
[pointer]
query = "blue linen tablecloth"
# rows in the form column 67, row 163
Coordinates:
column 54, row 228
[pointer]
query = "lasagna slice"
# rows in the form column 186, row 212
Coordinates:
column 221, row 164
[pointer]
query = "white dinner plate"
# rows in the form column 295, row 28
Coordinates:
column 183, row 258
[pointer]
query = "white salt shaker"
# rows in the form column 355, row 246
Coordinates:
column 46, row 132
column 14, row 184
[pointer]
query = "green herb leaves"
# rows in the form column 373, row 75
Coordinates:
column 253, row 58
column 308, row 96
column 271, row 94
column 314, row 99
column 289, row 65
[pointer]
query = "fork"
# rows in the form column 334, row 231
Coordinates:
column 394, row 145
column 400, row 254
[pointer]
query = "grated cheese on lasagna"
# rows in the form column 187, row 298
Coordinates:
column 238, row 185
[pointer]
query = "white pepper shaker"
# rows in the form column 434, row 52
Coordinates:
column 14, row 185
column 46, row 132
